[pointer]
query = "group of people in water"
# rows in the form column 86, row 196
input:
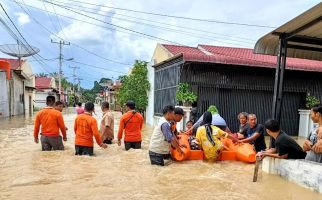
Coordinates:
column 205, row 134
column 50, row 123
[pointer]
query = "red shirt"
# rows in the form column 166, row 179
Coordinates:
column 133, row 123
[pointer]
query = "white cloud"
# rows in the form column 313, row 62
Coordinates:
column 22, row 18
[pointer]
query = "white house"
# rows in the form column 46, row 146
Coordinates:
column 44, row 86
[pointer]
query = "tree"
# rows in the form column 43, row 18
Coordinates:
column 41, row 75
column 136, row 86
column 122, row 78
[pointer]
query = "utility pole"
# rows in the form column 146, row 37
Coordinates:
column 61, row 43
column 80, row 94
column 74, row 76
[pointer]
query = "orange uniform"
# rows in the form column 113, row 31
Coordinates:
column 51, row 121
column 133, row 124
column 85, row 128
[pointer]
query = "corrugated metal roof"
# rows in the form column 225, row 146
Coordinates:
column 306, row 28
column 238, row 56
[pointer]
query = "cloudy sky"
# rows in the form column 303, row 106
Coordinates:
column 107, row 36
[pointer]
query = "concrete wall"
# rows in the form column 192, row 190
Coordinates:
column 160, row 54
column 150, row 107
column 18, row 92
column 40, row 98
column 4, row 98
column 29, row 108
column 11, row 95
column 305, row 173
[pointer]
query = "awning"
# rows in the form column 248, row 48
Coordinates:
column 303, row 35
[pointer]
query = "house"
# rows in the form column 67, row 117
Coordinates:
column 109, row 94
column 17, row 90
column 44, row 86
column 233, row 79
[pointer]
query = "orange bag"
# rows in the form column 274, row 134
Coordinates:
column 240, row 152
column 183, row 140
column 246, row 153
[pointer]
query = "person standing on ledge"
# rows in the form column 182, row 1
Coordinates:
column 312, row 145
column 131, row 123
column 285, row 146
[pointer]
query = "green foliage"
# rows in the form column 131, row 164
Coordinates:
column 122, row 78
column 41, row 74
column 71, row 100
column 185, row 95
column 97, row 88
column 213, row 109
column 311, row 101
column 136, row 86
column 106, row 80
column 88, row 95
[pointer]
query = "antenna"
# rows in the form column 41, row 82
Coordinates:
column 18, row 50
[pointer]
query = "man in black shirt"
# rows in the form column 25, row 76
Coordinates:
column 285, row 146
column 254, row 133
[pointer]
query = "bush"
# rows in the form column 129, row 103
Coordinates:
column 184, row 95
column 311, row 101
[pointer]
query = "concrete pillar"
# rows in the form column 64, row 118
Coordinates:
column 185, row 119
column 305, row 123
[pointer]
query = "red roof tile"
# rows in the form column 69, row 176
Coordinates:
column 239, row 56
column 14, row 63
column 175, row 49
column 43, row 83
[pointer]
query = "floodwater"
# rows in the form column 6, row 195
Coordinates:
column 28, row 173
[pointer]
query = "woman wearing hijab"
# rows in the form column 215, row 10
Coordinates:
column 209, row 138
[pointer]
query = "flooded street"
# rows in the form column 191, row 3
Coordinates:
column 28, row 173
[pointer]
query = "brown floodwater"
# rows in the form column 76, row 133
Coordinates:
column 28, row 173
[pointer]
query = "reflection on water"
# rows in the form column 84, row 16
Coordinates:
column 28, row 173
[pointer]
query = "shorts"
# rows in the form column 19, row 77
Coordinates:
column 82, row 150
column 133, row 145
column 158, row 159
column 51, row 143
column 108, row 141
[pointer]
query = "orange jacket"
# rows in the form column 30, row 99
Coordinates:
column 85, row 128
column 133, row 127
column 51, row 121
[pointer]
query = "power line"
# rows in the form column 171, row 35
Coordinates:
column 59, row 22
column 51, row 20
column 111, row 24
column 177, row 17
column 72, row 43
column 85, row 64
column 15, row 36
column 93, row 66
column 95, row 11
column 192, row 34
